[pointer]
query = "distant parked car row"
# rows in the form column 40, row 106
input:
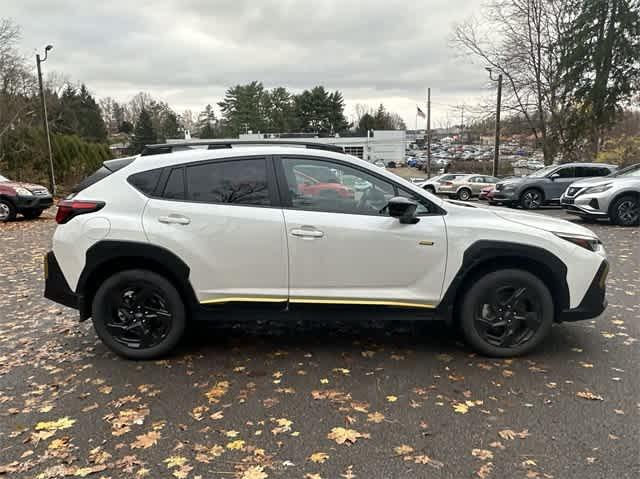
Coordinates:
column 589, row 190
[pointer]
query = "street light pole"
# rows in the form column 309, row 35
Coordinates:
column 45, row 122
column 496, row 153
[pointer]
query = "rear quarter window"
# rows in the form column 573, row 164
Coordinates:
column 145, row 181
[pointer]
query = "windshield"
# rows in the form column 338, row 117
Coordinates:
column 633, row 170
column 543, row 172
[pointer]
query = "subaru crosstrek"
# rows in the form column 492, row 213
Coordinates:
column 182, row 232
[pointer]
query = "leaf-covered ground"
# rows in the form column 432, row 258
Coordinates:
column 314, row 399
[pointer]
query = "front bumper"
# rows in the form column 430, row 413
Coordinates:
column 594, row 301
column 594, row 206
column 56, row 287
column 504, row 196
column 33, row 202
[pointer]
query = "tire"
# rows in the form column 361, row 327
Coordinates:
column 477, row 317
column 625, row 211
column 32, row 214
column 114, row 304
column 7, row 211
column 531, row 199
column 464, row 194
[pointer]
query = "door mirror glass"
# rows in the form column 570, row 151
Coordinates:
column 404, row 209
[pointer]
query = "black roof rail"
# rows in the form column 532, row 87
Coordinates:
column 162, row 148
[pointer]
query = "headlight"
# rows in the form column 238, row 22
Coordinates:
column 23, row 191
column 587, row 242
column 598, row 189
column 508, row 187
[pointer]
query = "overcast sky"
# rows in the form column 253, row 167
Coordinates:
column 187, row 52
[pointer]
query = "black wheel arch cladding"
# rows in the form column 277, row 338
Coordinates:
column 107, row 257
column 491, row 255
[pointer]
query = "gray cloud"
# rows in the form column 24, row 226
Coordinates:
column 189, row 51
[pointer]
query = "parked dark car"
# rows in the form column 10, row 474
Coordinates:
column 27, row 199
column 546, row 185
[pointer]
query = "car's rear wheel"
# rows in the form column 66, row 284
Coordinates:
column 625, row 211
column 531, row 199
column 506, row 313
column 464, row 194
column 32, row 214
column 138, row 314
column 7, row 211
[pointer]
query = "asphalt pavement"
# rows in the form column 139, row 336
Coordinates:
column 315, row 399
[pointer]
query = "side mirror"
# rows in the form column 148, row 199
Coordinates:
column 404, row 209
column 554, row 176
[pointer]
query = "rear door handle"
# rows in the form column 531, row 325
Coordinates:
column 174, row 219
column 307, row 233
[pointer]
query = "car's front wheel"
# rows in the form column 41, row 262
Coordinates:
column 138, row 314
column 506, row 313
column 625, row 211
column 531, row 199
column 7, row 211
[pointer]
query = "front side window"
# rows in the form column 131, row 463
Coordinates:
column 333, row 187
column 240, row 182
column 568, row 172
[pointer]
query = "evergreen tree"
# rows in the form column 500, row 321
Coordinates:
column 601, row 62
column 170, row 127
column 242, row 108
column 144, row 133
column 207, row 123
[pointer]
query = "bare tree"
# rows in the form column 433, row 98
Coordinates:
column 520, row 40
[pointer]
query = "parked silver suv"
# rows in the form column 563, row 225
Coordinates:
column 617, row 197
column 546, row 185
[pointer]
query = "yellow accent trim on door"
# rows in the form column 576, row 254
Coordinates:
column 247, row 299
column 363, row 302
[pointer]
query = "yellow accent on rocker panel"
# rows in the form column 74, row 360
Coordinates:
column 364, row 302
column 252, row 299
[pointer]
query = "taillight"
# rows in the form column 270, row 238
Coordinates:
column 68, row 209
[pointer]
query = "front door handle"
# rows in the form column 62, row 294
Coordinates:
column 307, row 233
column 174, row 219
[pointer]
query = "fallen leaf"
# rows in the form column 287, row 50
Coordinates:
column 392, row 398
column 485, row 470
column 375, row 417
column 482, row 454
column 235, row 445
column 145, row 441
column 217, row 391
column 461, row 408
column 62, row 423
column 175, row 461
column 589, row 395
column 403, row 450
column 342, row 435
column 254, row 472
column 319, row 457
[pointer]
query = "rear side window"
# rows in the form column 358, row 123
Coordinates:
column 240, row 182
column 146, row 181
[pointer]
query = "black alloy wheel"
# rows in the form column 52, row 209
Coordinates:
column 531, row 199
column 138, row 314
column 506, row 313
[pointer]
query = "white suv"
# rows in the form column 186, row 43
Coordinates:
column 186, row 231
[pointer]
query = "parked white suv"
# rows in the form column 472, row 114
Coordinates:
column 149, row 243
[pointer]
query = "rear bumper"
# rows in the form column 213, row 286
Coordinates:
column 56, row 287
column 594, row 301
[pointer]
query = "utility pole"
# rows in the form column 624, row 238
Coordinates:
column 428, row 132
column 496, row 151
column 45, row 122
